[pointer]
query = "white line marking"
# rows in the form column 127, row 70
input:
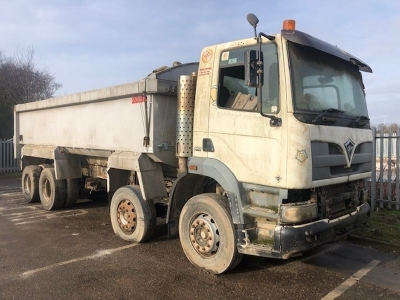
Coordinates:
column 98, row 254
column 12, row 193
column 48, row 216
column 25, row 214
column 18, row 207
column 351, row 280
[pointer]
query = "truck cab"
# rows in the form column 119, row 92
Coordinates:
column 281, row 123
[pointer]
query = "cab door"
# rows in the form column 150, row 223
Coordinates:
column 238, row 134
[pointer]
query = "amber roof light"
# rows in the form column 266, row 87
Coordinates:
column 289, row 25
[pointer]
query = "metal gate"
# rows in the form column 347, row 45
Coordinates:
column 7, row 161
column 385, row 170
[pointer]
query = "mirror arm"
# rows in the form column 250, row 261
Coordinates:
column 275, row 121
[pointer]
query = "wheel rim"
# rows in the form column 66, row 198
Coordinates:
column 126, row 216
column 204, row 235
column 46, row 187
column 27, row 185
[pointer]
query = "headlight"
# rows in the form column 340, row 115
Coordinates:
column 298, row 212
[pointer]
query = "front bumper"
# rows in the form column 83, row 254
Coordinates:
column 291, row 240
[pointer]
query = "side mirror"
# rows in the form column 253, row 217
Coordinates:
column 254, row 68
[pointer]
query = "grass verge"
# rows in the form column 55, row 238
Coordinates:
column 382, row 226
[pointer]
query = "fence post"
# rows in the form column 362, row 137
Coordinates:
column 373, row 175
column 397, row 169
column 389, row 178
column 381, row 136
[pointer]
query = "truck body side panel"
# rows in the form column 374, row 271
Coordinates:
column 86, row 126
column 109, row 119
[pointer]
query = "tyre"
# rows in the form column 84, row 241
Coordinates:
column 133, row 218
column 30, row 183
column 207, row 233
column 45, row 166
column 72, row 192
column 51, row 190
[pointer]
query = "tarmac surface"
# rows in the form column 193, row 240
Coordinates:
column 74, row 254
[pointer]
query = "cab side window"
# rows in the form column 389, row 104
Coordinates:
column 232, row 90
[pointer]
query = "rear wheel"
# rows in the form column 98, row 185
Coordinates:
column 72, row 192
column 51, row 190
column 207, row 233
column 30, row 183
column 132, row 218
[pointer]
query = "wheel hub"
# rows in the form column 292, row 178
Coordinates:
column 126, row 216
column 46, row 190
column 27, row 185
column 204, row 235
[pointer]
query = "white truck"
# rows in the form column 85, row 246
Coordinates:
column 261, row 148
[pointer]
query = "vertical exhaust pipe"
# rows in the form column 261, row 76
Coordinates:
column 184, row 122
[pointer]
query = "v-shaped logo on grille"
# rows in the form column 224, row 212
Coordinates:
column 349, row 146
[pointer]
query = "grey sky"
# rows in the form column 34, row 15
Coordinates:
column 93, row 44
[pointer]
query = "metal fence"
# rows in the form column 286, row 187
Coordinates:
column 385, row 179
column 7, row 161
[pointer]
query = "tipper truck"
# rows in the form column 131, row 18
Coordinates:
column 260, row 148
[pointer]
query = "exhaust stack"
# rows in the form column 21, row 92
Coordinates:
column 184, row 122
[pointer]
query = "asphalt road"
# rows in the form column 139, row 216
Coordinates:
column 73, row 254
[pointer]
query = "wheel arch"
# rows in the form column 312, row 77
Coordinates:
column 66, row 165
column 186, row 186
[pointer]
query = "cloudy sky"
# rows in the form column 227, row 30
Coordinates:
column 89, row 44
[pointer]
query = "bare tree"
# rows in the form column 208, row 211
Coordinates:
column 394, row 127
column 386, row 127
column 21, row 81
column 380, row 127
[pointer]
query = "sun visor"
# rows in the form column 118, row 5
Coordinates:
column 302, row 38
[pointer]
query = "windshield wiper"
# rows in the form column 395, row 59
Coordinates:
column 361, row 121
column 332, row 120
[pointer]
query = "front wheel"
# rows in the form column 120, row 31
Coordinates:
column 133, row 218
column 207, row 233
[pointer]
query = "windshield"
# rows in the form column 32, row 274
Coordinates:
column 324, row 83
